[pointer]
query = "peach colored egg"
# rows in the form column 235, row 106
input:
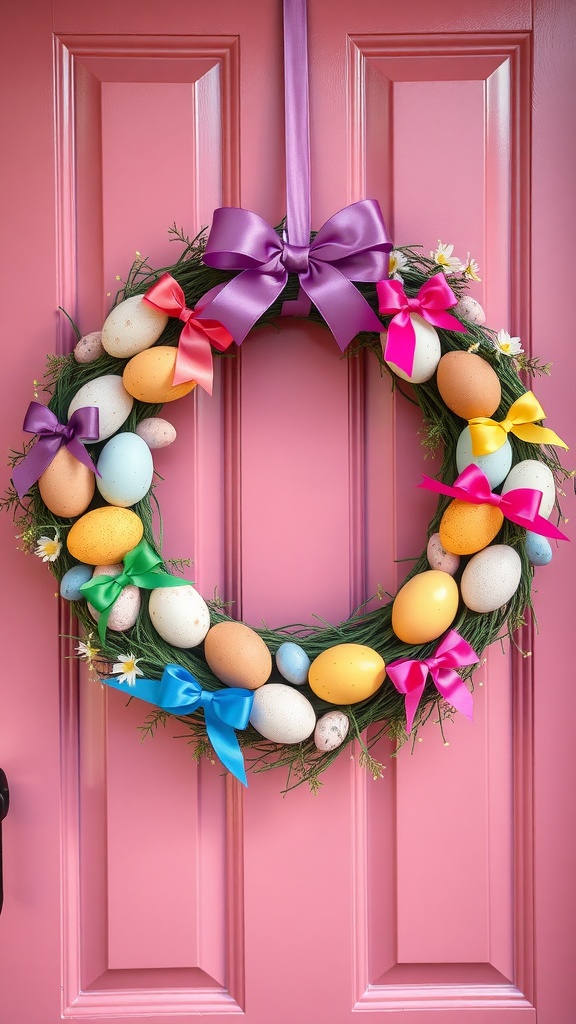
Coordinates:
column 126, row 607
column 468, row 385
column 439, row 558
column 67, row 485
column 424, row 607
column 466, row 528
column 237, row 655
column 148, row 376
column 105, row 535
column 346, row 673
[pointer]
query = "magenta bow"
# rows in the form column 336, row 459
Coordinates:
column 520, row 506
column 194, row 357
column 353, row 245
column 433, row 299
column 409, row 676
column 82, row 425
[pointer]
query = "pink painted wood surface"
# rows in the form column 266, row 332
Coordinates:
column 138, row 885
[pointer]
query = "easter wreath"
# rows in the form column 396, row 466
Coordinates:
column 431, row 334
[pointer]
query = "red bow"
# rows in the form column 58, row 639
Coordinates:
column 409, row 676
column 431, row 303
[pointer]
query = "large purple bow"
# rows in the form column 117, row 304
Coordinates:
column 409, row 676
column 353, row 245
column 82, row 425
column 433, row 299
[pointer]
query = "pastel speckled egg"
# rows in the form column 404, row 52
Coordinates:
column 66, row 485
column 126, row 469
column 491, row 578
column 536, row 476
column 179, row 615
column 427, row 352
column 282, row 714
column 495, row 466
column 469, row 309
column 346, row 673
column 132, row 326
column 156, row 432
column 72, row 581
column 109, row 396
column 466, row 528
column 126, row 607
column 468, row 385
column 331, row 730
column 89, row 348
column 538, row 549
column 293, row 663
column 439, row 558
column 148, row 376
column 424, row 607
column 237, row 655
column 105, row 535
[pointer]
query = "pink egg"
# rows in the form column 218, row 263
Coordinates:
column 89, row 348
column 439, row 558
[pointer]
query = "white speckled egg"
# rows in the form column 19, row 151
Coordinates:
column 89, row 348
column 180, row 615
column 156, row 432
column 439, row 558
column 331, row 730
column 131, row 327
column 491, row 578
column 282, row 714
column 469, row 309
column 126, row 607
column 126, row 468
column 496, row 466
column 293, row 663
column 538, row 549
column 72, row 581
column 537, row 476
column 109, row 396
column 426, row 352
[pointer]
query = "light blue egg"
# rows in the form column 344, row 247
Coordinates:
column 72, row 581
column 293, row 663
column 126, row 468
column 538, row 548
column 496, row 466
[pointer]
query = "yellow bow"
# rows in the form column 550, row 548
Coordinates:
column 489, row 435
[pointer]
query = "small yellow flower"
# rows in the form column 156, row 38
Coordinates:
column 470, row 269
column 127, row 667
column 506, row 345
column 442, row 255
column 48, row 548
column 397, row 263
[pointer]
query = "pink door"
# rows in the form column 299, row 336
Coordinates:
column 139, row 885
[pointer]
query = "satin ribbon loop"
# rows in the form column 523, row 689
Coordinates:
column 194, row 356
column 409, row 676
column 83, row 425
column 433, row 300
column 489, row 435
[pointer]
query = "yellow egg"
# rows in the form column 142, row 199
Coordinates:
column 468, row 385
column 346, row 673
column 67, row 485
column 424, row 607
column 105, row 535
column 148, row 376
column 237, row 655
column 466, row 528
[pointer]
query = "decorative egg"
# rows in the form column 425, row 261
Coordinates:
column 491, row 578
column 346, row 673
column 89, row 348
column 331, row 730
column 495, row 466
column 148, row 376
column 536, row 476
column 126, row 607
column 131, row 327
column 293, row 663
column 126, row 470
column 66, row 485
column 538, row 549
column 237, row 655
column 179, row 615
column 424, row 607
column 72, row 581
column 156, row 432
column 469, row 309
column 468, row 385
column 110, row 397
column 466, row 528
column 439, row 558
column 105, row 535
column 282, row 714
column 427, row 352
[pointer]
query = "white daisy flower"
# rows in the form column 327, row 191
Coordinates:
column 48, row 548
column 506, row 345
column 128, row 669
column 86, row 650
column 470, row 269
column 397, row 262
column 442, row 255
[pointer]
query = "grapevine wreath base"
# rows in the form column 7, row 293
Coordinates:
column 147, row 632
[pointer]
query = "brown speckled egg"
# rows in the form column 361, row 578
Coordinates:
column 66, row 485
column 105, row 535
column 148, row 376
column 466, row 528
column 237, row 655
column 468, row 385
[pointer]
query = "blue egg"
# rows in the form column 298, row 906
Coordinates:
column 293, row 663
column 538, row 548
column 496, row 466
column 72, row 581
column 126, row 468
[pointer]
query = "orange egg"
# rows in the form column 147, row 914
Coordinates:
column 237, row 655
column 67, row 485
column 425, row 607
column 105, row 535
column 468, row 385
column 466, row 528
column 346, row 673
column 148, row 376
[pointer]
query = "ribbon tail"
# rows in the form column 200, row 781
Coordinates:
column 411, row 703
column 103, row 622
column 537, row 435
column 400, row 345
column 339, row 302
column 30, row 469
column 225, row 744
column 440, row 318
column 243, row 300
column 454, row 690
column 194, row 359
column 78, row 450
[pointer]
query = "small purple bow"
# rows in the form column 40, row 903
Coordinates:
column 82, row 425
column 409, row 675
column 353, row 245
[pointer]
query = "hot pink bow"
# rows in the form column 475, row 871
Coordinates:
column 194, row 358
column 409, row 676
column 433, row 299
column 520, row 506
